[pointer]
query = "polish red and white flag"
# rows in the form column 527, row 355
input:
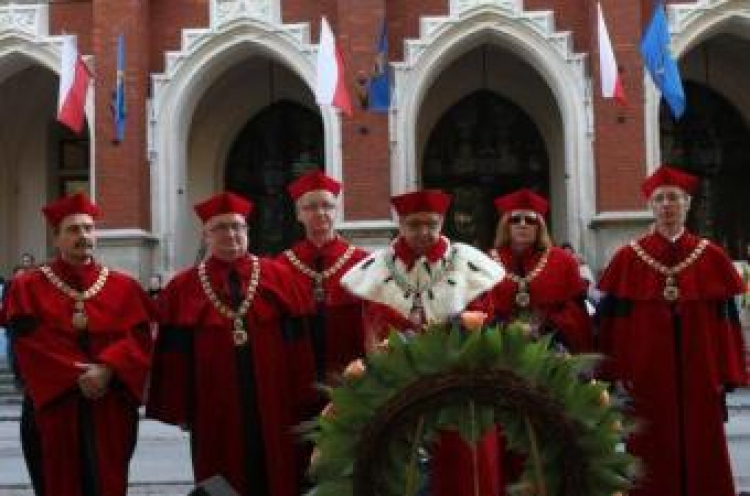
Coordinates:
column 331, row 85
column 610, row 75
column 74, row 84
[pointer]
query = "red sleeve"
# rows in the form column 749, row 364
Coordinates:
column 45, row 358
column 170, row 388
column 130, row 356
column 290, row 291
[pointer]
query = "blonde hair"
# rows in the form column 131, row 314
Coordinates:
column 502, row 233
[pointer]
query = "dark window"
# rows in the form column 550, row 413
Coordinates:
column 482, row 147
column 279, row 144
column 712, row 142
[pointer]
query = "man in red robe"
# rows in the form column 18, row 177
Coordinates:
column 81, row 334
column 670, row 330
column 333, row 336
column 220, row 366
column 423, row 278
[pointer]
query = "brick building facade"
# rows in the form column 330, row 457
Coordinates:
column 488, row 95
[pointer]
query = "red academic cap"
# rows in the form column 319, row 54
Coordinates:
column 57, row 210
column 669, row 176
column 313, row 181
column 522, row 199
column 428, row 200
column 223, row 203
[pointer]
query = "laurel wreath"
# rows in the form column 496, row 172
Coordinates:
column 393, row 403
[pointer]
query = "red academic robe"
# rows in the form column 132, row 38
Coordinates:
column 452, row 467
column 557, row 294
column 330, row 338
column 675, row 361
column 343, row 338
column 47, row 349
column 197, row 381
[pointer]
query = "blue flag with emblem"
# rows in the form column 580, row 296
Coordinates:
column 379, row 85
column 119, row 110
column 659, row 62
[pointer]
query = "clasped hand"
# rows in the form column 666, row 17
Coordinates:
column 94, row 380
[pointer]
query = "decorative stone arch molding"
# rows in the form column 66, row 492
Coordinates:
column 25, row 40
column 24, row 184
column 689, row 25
column 533, row 38
column 237, row 29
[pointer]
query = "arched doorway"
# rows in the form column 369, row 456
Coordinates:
column 482, row 147
column 277, row 145
column 40, row 159
column 712, row 141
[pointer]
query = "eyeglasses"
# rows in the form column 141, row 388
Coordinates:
column 239, row 227
column 325, row 206
column 528, row 219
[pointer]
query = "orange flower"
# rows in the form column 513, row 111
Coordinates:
column 473, row 320
column 315, row 456
column 329, row 411
column 356, row 368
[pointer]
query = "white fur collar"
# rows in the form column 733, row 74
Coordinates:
column 470, row 274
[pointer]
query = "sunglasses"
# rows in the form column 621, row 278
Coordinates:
column 528, row 219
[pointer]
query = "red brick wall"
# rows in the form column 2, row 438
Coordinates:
column 154, row 27
column 73, row 18
column 167, row 19
column 122, row 171
column 619, row 149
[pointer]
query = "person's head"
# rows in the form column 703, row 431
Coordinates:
column 27, row 260
column 224, row 218
column 420, row 218
column 72, row 220
column 521, row 223
column 315, row 198
column 668, row 192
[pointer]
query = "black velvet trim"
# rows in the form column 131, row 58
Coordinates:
column 293, row 328
column 21, row 325
column 174, row 339
column 611, row 306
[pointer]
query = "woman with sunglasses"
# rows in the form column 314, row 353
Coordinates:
column 543, row 284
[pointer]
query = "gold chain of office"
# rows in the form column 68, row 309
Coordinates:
column 671, row 291
column 79, row 320
column 239, row 334
column 447, row 266
column 319, row 277
column 523, row 298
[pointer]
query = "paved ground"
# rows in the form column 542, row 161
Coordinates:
column 161, row 466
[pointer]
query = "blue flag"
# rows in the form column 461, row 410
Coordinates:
column 119, row 110
column 379, row 85
column 659, row 62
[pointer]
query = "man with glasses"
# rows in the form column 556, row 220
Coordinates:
column 671, row 334
column 421, row 279
column 334, row 335
column 220, row 365
column 82, row 337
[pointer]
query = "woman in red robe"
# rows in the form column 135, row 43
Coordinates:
column 543, row 282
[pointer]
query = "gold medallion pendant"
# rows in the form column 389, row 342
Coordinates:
column 523, row 299
column 319, row 293
column 239, row 335
column 671, row 291
column 79, row 320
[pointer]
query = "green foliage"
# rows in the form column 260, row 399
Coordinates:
column 558, row 378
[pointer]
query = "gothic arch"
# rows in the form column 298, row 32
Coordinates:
column 238, row 29
column 532, row 37
column 690, row 25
